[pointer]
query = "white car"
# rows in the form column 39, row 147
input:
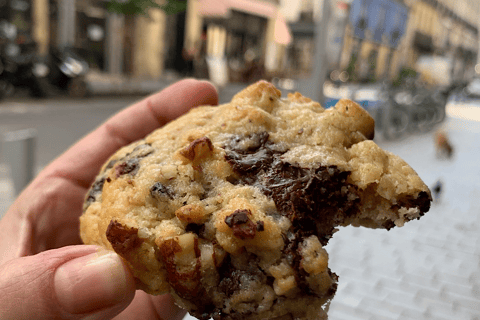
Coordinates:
column 473, row 88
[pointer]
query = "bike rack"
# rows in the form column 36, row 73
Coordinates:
column 19, row 155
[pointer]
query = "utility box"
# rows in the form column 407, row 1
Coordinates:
column 19, row 154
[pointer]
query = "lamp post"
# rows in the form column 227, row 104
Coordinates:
column 67, row 20
column 313, row 87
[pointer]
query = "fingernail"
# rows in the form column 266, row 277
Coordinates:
column 92, row 282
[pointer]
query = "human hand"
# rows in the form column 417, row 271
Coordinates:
column 45, row 271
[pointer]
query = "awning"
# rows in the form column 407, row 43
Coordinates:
column 214, row 8
column 221, row 8
column 281, row 31
column 259, row 8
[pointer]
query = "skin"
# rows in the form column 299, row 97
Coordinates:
column 40, row 245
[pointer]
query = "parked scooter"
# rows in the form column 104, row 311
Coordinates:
column 19, row 66
column 67, row 71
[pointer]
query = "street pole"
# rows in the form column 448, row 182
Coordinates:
column 115, row 43
column 66, row 20
column 19, row 152
column 41, row 26
column 314, row 85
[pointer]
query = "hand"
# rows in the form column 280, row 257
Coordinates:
column 45, row 272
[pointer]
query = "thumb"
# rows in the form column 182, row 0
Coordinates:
column 67, row 283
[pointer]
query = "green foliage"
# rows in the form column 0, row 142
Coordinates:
column 405, row 73
column 135, row 7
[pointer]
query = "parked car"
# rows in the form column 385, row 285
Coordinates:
column 472, row 90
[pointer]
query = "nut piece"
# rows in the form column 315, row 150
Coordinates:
column 242, row 226
column 122, row 238
column 181, row 256
column 191, row 213
column 197, row 149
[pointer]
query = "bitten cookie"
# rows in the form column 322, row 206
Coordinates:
column 229, row 208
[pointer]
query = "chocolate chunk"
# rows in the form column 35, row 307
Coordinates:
column 253, row 142
column 95, row 190
column 235, row 276
column 249, row 164
column 315, row 200
column 258, row 140
column 129, row 166
column 422, row 202
column 238, row 217
column 260, row 226
column 141, row 151
column 241, row 224
column 123, row 239
column 195, row 228
column 160, row 191
column 249, row 161
column 110, row 164
column 197, row 149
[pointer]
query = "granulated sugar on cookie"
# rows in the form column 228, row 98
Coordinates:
column 229, row 208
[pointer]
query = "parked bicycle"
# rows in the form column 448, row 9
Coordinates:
column 412, row 108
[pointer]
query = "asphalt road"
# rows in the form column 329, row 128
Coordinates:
column 60, row 122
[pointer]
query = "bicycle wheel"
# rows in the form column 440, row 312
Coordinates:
column 395, row 124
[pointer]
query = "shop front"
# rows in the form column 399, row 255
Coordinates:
column 239, row 38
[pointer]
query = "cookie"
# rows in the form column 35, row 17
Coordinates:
column 229, row 208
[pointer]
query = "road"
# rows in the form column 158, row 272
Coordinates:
column 61, row 122
column 427, row 270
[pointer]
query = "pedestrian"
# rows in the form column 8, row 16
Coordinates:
column 443, row 146
column 45, row 271
column 437, row 190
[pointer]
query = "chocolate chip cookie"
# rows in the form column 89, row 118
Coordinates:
column 229, row 208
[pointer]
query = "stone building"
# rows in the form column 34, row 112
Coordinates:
column 145, row 46
column 375, row 39
column 427, row 27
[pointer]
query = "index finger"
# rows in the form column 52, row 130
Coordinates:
column 82, row 161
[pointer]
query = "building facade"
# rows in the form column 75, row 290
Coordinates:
column 245, row 39
column 241, row 39
column 411, row 29
column 375, row 39
column 144, row 46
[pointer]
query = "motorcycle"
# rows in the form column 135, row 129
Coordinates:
column 67, row 71
column 19, row 66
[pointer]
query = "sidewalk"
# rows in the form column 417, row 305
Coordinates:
column 99, row 83
column 103, row 84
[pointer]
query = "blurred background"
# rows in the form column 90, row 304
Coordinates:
column 67, row 65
